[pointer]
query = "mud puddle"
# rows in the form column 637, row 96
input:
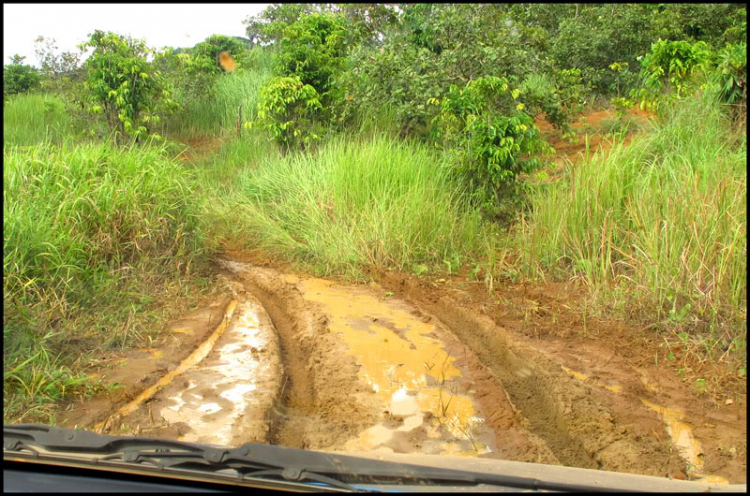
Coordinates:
column 219, row 394
column 410, row 394
column 589, row 406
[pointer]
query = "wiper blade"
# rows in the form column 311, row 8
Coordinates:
column 157, row 453
column 329, row 471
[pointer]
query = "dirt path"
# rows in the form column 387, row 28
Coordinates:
column 408, row 367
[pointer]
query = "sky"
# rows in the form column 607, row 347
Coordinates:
column 161, row 25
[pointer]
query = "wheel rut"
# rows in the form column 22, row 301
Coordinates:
column 296, row 401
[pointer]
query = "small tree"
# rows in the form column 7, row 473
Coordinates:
column 207, row 54
column 19, row 78
column 675, row 63
column 295, row 105
column 313, row 49
column 493, row 137
column 290, row 111
column 55, row 66
column 124, row 85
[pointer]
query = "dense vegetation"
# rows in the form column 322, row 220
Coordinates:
column 360, row 135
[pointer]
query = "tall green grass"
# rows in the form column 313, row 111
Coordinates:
column 218, row 172
column 32, row 118
column 353, row 203
column 216, row 112
column 89, row 231
column 656, row 228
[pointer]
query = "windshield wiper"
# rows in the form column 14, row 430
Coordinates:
column 252, row 461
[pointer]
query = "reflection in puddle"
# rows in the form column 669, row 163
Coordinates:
column 407, row 369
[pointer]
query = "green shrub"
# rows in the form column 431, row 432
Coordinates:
column 206, row 55
column 19, row 78
column 672, row 66
column 124, row 85
column 732, row 73
column 313, row 50
column 290, row 110
column 491, row 136
column 622, row 106
column 296, row 106
column 397, row 76
column 558, row 95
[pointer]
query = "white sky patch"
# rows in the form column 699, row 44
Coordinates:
column 175, row 25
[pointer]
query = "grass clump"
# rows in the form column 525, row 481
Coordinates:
column 353, row 203
column 657, row 228
column 92, row 235
column 218, row 171
column 216, row 113
column 33, row 118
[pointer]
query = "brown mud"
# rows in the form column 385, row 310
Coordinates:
column 200, row 147
column 587, row 132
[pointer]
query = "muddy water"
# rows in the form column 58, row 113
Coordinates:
column 407, row 367
column 222, row 399
column 222, row 392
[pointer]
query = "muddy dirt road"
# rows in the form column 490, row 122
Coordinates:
column 402, row 366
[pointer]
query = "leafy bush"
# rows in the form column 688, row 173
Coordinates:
column 732, row 73
column 313, row 50
column 437, row 46
column 590, row 37
column 622, row 105
column 558, row 96
column 269, row 25
column 124, row 85
column 19, row 78
column 206, row 55
column 365, row 23
column 296, row 105
column 290, row 110
column 675, row 63
column 597, row 36
column 400, row 77
column 491, row 133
